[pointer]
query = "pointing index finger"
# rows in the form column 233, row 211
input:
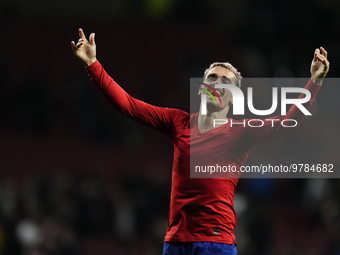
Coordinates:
column 324, row 52
column 81, row 33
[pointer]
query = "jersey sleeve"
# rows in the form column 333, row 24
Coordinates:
column 272, row 127
column 158, row 118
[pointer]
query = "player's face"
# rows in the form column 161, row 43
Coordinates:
column 219, row 75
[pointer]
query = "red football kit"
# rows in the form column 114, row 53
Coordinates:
column 201, row 209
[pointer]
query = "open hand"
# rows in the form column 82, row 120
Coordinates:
column 320, row 65
column 85, row 50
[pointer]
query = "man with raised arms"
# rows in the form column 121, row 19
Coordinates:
column 201, row 216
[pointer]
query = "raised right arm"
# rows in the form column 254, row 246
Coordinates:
column 159, row 118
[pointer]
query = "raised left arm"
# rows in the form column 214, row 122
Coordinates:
column 272, row 130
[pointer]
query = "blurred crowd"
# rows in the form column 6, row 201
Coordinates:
column 77, row 178
column 62, row 213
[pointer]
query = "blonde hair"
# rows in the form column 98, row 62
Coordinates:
column 228, row 66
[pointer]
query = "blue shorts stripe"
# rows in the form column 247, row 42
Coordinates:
column 199, row 248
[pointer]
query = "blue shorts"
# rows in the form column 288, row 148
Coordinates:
column 199, row 248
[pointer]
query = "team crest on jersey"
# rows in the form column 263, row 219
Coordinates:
column 216, row 231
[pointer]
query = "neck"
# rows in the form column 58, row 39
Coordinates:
column 206, row 122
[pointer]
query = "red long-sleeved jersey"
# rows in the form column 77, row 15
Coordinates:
column 200, row 209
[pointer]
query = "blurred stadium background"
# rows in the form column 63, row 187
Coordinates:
column 77, row 178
